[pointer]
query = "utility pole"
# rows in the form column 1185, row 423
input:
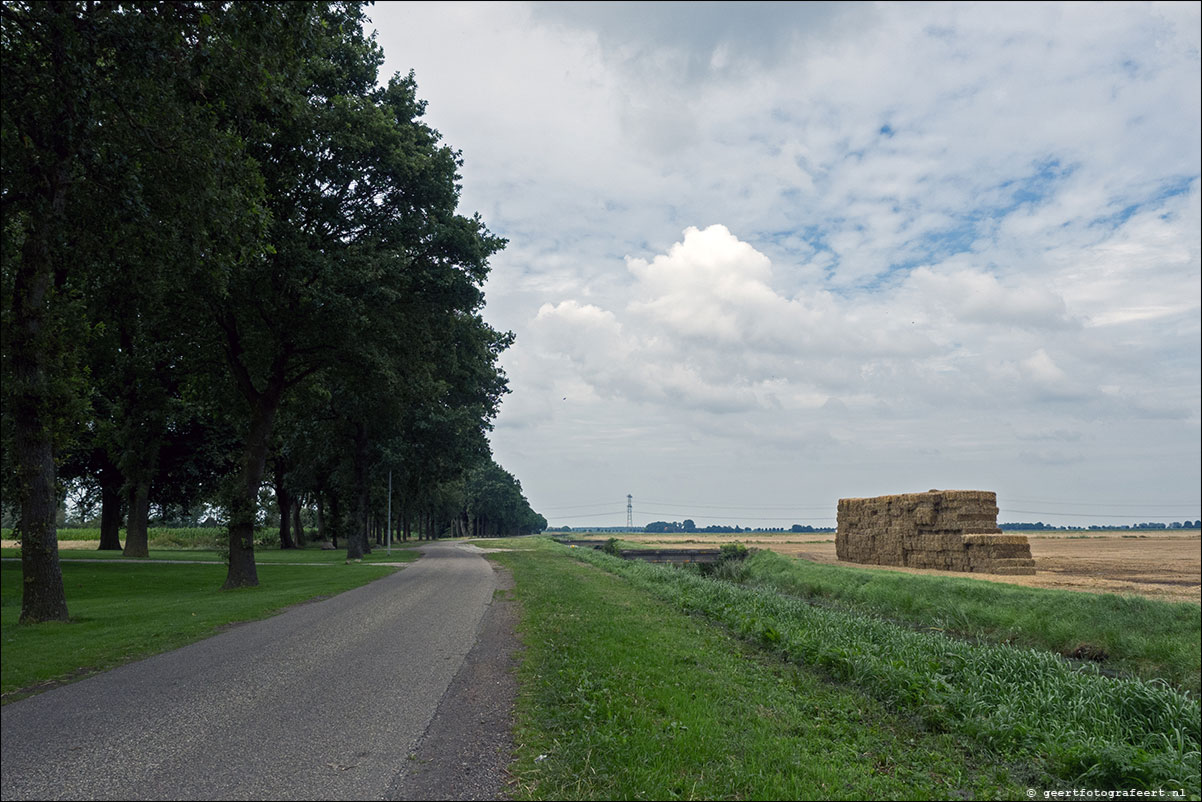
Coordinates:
column 388, row 526
column 629, row 513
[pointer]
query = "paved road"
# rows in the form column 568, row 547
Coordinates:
column 326, row 701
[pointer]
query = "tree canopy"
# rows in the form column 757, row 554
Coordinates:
column 231, row 250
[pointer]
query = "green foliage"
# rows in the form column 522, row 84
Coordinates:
column 495, row 502
column 732, row 552
column 612, row 546
column 315, row 273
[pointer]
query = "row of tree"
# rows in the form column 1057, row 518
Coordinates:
column 231, row 256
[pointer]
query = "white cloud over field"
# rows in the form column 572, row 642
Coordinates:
column 766, row 255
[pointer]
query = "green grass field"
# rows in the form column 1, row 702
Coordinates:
column 124, row 611
column 625, row 696
column 1132, row 635
column 644, row 680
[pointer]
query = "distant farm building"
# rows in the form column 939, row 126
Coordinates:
column 950, row 530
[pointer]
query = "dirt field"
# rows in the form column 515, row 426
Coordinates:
column 1163, row 565
column 63, row 545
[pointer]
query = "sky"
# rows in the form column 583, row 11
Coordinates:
column 763, row 256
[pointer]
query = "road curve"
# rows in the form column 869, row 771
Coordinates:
column 325, row 701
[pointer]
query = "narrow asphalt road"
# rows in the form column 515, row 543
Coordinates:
column 326, row 701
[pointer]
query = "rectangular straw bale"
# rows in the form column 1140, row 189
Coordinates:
column 945, row 529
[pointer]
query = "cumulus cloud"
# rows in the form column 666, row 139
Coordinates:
column 922, row 233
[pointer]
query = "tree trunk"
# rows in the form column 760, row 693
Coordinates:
column 322, row 535
column 110, row 509
column 297, row 527
column 244, row 504
column 284, row 500
column 335, row 522
column 356, row 541
column 33, row 340
column 42, row 595
column 405, row 523
column 137, row 536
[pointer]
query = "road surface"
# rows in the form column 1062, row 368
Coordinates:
column 325, row 701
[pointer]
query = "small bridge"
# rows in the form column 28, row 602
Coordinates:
column 674, row 556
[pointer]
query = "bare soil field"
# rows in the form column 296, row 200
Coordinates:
column 63, row 545
column 1163, row 565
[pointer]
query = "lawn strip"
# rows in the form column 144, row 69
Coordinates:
column 122, row 612
column 625, row 697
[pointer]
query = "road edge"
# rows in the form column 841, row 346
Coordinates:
column 466, row 749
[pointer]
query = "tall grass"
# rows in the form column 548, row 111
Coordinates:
column 1078, row 725
column 1143, row 637
column 625, row 697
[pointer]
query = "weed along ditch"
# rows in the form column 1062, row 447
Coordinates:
column 988, row 665
column 685, row 556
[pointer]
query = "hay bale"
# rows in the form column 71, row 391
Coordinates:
column 945, row 529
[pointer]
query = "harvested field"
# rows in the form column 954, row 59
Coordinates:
column 63, row 545
column 1164, row 565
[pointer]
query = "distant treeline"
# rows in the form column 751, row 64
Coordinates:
column 1040, row 526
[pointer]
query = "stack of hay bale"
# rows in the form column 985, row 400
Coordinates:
column 951, row 530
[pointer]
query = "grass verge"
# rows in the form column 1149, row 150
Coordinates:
column 1071, row 724
column 1142, row 637
column 624, row 696
column 121, row 612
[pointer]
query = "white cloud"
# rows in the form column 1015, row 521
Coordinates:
column 911, row 231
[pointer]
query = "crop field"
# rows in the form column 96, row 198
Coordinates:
column 1161, row 564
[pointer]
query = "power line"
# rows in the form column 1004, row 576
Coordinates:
column 736, row 506
column 579, row 506
column 1190, row 504
column 1091, row 514
column 591, row 514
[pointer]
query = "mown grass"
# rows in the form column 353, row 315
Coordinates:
column 1143, row 637
column 262, row 555
column 624, row 696
column 122, row 612
column 1070, row 724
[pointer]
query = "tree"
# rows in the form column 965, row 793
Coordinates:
column 363, row 239
column 200, row 178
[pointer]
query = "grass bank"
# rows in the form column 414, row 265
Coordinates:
column 121, row 612
column 1130, row 634
column 1068, row 723
column 626, row 696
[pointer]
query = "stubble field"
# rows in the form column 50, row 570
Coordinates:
column 1164, row 565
